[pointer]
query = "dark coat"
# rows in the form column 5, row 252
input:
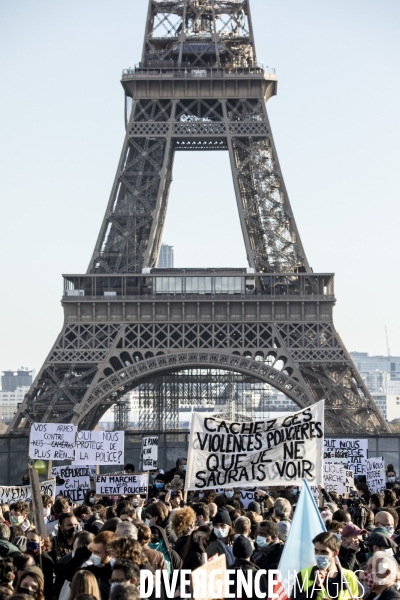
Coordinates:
column 94, row 524
column 391, row 593
column 250, row 570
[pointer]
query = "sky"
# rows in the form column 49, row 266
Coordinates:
column 335, row 123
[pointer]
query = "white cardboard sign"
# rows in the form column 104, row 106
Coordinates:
column 115, row 485
column 76, row 482
column 334, row 477
column 100, row 448
column 149, row 454
column 376, row 475
column 52, row 441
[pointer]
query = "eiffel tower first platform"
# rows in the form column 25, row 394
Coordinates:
column 197, row 87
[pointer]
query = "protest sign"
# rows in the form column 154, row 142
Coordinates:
column 149, row 454
column 225, row 454
column 352, row 452
column 376, row 475
column 209, row 581
column 247, row 496
column 349, row 481
column 76, row 482
column 100, row 448
column 12, row 493
column 114, row 485
column 92, row 469
column 334, row 477
column 52, row 441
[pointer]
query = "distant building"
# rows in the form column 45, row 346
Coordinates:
column 368, row 365
column 11, row 380
column 166, row 258
column 10, row 401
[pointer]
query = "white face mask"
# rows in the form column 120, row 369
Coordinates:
column 147, row 521
column 221, row 533
column 46, row 511
column 201, row 495
column 96, row 560
column 112, row 561
column 261, row 541
column 229, row 495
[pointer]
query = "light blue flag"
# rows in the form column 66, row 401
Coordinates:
column 298, row 552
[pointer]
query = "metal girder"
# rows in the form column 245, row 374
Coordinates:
column 198, row 87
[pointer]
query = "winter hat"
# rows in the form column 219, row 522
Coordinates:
column 222, row 516
column 242, row 547
column 381, row 540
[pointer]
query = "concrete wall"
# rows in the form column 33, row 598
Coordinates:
column 14, row 453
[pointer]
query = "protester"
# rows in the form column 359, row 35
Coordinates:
column 84, row 582
column 31, row 582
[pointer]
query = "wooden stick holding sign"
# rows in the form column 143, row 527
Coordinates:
column 37, row 508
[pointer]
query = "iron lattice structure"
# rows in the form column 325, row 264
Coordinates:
column 197, row 87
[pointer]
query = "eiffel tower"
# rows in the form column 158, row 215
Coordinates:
column 198, row 87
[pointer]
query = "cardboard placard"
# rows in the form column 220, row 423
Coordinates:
column 376, row 475
column 149, row 453
column 100, row 448
column 52, row 441
column 76, row 482
column 334, row 477
column 116, row 485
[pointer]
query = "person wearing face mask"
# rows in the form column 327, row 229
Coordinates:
column 390, row 476
column 19, row 515
column 125, row 572
column 79, row 550
column 31, row 583
column 47, row 502
column 380, row 578
column 96, row 559
column 178, row 471
column 37, row 547
column 268, row 546
column 62, row 542
column 384, row 518
column 326, row 574
column 221, row 539
column 351, row 546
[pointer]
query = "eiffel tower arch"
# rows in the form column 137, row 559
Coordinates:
column 198, row 87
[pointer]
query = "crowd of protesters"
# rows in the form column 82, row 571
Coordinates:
column 97, row 550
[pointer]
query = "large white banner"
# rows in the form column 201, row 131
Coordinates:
column 100, row 448
column 149, row 454
column 114, row 485
column 76, row 482
column 225, row 454
column 12, row 493
column 52, row 441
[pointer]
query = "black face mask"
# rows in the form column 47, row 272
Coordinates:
column 69, row 533
column 26, row 591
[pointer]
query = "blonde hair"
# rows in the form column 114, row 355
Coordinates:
column 182, row 520
column 84, row 582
